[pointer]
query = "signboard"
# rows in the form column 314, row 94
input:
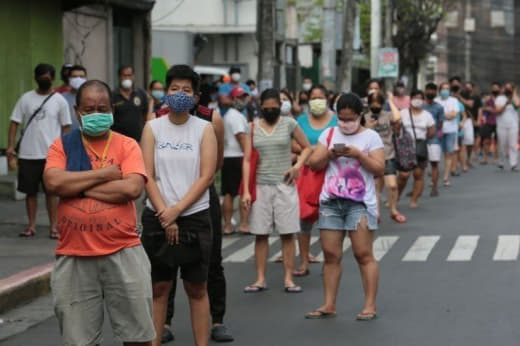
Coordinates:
column 388, row 63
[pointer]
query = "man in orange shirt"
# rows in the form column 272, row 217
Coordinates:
column 98, row 174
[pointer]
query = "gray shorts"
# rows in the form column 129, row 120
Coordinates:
column 83, row 286
column 344, row 215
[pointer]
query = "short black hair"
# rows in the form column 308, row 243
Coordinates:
column 94, row 83
column 152, row 83
column 271, row 93
column 430, row 86
column 42, row 69
column 124, row 67
column 455, row 78
column 250, row 82
column 320, row 87
column 350, row 101
column 183, row 72
column 77, row 68
column 375, row 80
column 64, row 73
column 416, row 92
column 234, row 69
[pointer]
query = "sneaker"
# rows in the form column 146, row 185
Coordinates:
column 220, row 333
column 167, row 336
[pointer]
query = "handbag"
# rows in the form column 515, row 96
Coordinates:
column 421, row 146
column 309, row 185
column 253, row 164
column 405, row 153
column 186, row 252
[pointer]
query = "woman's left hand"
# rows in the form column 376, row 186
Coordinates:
column 291, row 175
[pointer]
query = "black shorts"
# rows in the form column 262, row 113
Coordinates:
column 30, row 176
column 476, row 131
column 154, row 237
column 390, row 167
column 231, row 176
column 488, row 131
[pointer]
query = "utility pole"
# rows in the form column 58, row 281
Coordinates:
column 328, row 46
column 345, row 76
column 467, row 43
column 389, row 16
column 265, row 25
column 375, row 35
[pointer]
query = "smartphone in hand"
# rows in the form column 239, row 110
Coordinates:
column 339, row 146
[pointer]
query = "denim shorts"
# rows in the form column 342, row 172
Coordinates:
column 344, row 215
column 448, row 142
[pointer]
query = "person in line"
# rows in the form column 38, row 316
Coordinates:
column 348, row 203
column 459, row 159
column 253, row 88
column 313, row 124
column 373, row 87
column 490, row 114
column 77, row 76
column 420, row 125
column 234, row 145
column 287, row 104
column 383, row 123
column 156, row 105
column 64, row 74
column 473, row 103
column 100, row 262
column 302, row 105
column 276, row 206
column 449, row 128
column 45, row 116
column 180, row 155
column 401, row 100
column 507, row 126
column 434, row 143
column 130, row 105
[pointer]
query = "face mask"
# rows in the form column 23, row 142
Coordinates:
column 239, row 104
column 235, row 77
column 306, row 86
column 286, row 107
column 180, row 102
column 417, row 103
column 495, row 92
column 76, row 82
column 455, row 89
column 371, row 91
column 430, row 96
column 349, row 127
column 96, row 124
column 375, row 110
column 271, row 115
column 126, row 84
column 508, row 93
column 318, row 107
column 445, row 94
column 399, row 91
column 44, row 84
column 254, row 92
column 158, row 94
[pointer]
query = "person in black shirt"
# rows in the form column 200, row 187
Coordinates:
column 130, row 105
column 473, row 103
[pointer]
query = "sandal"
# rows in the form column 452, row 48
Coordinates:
column 398, row 217
column 54, row 234
column 313, row 259
column 278, row 259
column 447, row 183
column 28, row 232
column 255, row 289
column 320, row 315
column 301, row 273
column 366, row 316
column 293, row 289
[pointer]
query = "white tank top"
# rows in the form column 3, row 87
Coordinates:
column 177, row 160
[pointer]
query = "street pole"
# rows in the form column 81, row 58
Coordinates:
column 388, row 36
column 467, row 45
column 375, row 35
column 349, row 14
column 328, row 47
column 266, row 43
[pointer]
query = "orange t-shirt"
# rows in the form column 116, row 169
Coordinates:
column 89, row 227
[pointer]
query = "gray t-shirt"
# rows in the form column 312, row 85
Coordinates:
column 384, row 130
column 274, row 150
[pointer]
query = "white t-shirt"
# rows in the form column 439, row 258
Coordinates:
column 509, row 117
column 451, row 104
column 234, row 123
column 177, row 160
column 421, row 121
column 45, row 127
column 345, row 177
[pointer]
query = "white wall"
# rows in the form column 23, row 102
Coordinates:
column 175, row 46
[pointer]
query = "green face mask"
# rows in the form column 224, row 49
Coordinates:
column 96, row 124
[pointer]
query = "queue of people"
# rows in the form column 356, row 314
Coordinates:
column 297, row 160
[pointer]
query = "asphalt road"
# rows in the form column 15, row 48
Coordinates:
column 450, row 276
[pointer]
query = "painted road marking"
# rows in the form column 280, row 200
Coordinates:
column 421, row 249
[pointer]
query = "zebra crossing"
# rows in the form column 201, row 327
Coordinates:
column 240, row 249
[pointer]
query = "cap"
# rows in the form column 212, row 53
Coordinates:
column 237, row 92
column 226, row 78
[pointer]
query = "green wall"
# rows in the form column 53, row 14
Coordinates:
column 31, row 33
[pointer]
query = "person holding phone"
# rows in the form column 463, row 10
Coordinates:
column 348, row 202
column 276, row 206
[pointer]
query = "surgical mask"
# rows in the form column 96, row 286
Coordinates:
column 180, row 102
column 400, row 91
column 235, row 77
column 417, row 103
column 44, row 84
column 96, row 124
column 318, row 107
column 349, row 127
column 307, row 86
column 254, row 92
column 371, row 91
column 76, row 82
column 126, row 84
column 158, row 94
column 239, row 104
column 286, row 107
column 445, row 94
column 271, row 114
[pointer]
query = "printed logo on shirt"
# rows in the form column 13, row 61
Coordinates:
column 348, row 183
column 137, row 101
column 174, row 146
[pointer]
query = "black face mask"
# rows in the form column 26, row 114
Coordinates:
column 455, row 89
column 508, row 92
column 375, row 110
column 44, row 84
column 271, row 114
column 303, row 102
column 495, row 92
column 430, row 96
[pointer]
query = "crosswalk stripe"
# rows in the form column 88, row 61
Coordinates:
column 507, row 248
column 314, row 239
column 382, row 245
column 463, row 249
column 421, row 249
column 346, row 245
column 246, row 252
column 227, row 242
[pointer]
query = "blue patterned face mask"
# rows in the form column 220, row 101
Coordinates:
column 180, row 102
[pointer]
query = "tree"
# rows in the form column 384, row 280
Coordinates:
column 266, row 42
column 345, row 75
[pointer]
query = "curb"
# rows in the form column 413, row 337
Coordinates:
column 24, row 286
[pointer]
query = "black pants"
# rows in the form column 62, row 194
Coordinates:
column 216, row 279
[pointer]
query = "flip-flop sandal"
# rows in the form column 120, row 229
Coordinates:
column 54, row 235
column 398, row 217
column 228, row 233
column 301, row 272
column 447, row 183
column 293, row 289
column 255, row 289
column 278, row 259
column 242, row 232
column 320, row 315
column 314, row 259
column 28, row 232
column 366, row 316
